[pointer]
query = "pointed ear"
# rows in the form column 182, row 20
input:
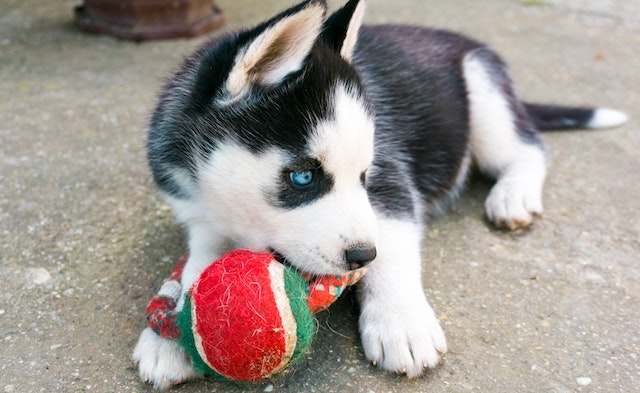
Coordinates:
column 341, row 29
column 278, row 50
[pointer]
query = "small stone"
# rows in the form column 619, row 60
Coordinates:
column 39, row 276
column 592, row 276
column 584, row 381
column 9, row 389
column 268, row 388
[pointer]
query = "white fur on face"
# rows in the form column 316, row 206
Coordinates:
column 237, row 188
column 235, row 185
column 343, row 217
column 344, row 145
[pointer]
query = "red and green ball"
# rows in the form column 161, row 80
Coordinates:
column 247, row 317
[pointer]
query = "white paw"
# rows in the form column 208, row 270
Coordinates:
column 512, row 203
column 402, row 338
column 162, row 362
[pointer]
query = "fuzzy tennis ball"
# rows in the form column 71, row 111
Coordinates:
column 247, row 317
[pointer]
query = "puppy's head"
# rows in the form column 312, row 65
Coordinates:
column 288, row 138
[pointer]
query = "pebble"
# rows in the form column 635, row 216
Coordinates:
column 594, row 277
column 39, row 276
column 584, row 381
column 268, row 388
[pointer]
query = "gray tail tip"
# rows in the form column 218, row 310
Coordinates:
column 606, row 118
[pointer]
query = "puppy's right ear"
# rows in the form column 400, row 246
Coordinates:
column 279, row 49
column 341, row 28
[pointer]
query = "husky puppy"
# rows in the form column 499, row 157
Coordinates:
column 328, row 143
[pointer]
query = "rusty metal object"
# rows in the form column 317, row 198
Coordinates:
column 141, row 20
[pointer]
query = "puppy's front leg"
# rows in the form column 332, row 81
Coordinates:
column 162, row 362
column 399, row 330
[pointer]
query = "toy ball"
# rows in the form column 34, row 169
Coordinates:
column 247, row 317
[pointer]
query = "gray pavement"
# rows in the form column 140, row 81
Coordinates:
column 86, row 239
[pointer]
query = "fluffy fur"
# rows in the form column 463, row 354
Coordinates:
column 328, row 142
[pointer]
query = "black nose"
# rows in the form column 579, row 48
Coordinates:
column 358, row 257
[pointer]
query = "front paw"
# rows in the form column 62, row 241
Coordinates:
column 162, row 362
column 405, row 339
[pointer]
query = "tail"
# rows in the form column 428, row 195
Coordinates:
column 555, row 117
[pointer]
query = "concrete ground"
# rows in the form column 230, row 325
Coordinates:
column 86, row 239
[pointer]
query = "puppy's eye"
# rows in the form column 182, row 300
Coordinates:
column 301, row 178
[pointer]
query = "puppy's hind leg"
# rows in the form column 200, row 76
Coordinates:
column 504, row 142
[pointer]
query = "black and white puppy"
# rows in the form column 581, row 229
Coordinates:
column 328, row 142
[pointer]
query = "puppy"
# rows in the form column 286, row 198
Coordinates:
column 328, row 142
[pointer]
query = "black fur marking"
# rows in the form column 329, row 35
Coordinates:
column 178, row 134
column 557, row 117
column 291, row 196
column 336, row 26
column 213, row 70
column 413, row 77
column 286, row 116
column 389, row 187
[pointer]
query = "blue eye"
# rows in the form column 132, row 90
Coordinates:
column 301, row 178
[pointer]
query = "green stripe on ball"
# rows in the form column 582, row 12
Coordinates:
column 297, row 291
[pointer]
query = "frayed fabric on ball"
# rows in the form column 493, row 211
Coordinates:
column 247, row 317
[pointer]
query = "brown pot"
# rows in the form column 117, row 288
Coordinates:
column 148, row 19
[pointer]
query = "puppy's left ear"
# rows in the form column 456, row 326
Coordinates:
column 341, row 29
column 279, row 49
